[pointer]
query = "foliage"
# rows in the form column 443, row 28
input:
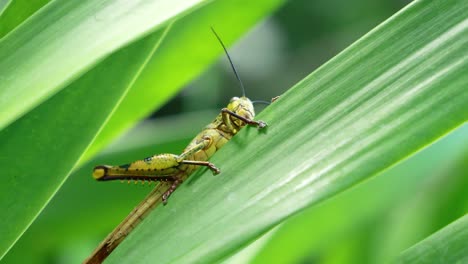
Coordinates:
column 98, row 67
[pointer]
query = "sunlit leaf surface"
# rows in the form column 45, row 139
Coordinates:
column 396, row 90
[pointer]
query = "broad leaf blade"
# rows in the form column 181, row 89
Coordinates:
column 77, row 212
column 445, row 246
column 390, row 94
column 16, row 12
column 65, row 39
column 75, row 136
column 45, row 145
column 359, row 208
column 424, row 213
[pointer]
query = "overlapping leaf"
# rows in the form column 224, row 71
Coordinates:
column 51, row 51
column 390, row 94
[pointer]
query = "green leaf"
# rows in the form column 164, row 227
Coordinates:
column 64, row 40
column 46, row 143
column 170, row 69
column 358, row 207
column 4, row 5
column 16, row 12
column 446, row 246
column 423, row 212
column 395, row 91
column 77, row 212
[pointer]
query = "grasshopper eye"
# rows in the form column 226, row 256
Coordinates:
column 235, row 98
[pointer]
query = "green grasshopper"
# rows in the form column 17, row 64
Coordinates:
column 170, row 169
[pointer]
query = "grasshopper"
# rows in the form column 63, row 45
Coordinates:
column 171, row 170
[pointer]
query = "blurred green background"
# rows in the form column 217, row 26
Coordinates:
column 422, row 194
column 282, row 49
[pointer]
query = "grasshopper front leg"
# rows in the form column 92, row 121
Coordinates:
column 227, row 120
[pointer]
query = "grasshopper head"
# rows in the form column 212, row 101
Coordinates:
column 242, row 106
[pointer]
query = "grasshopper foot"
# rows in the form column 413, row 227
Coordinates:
column 275, row 98
column 213, row 168
column 261, row 124
column 168, row 193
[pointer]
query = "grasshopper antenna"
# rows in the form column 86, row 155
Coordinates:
column 230, row 61
column 260, row 102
